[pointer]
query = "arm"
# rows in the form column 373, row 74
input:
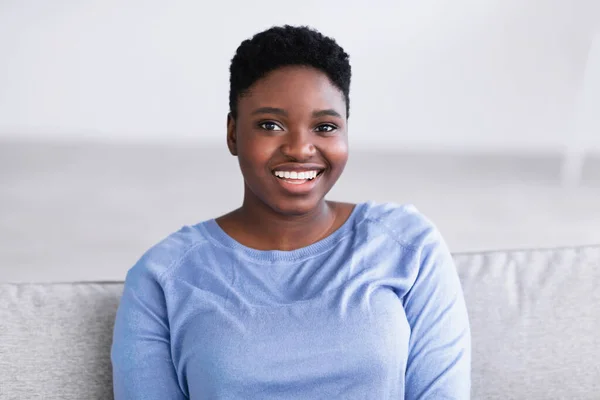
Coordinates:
column 141, row 352
column 439, row 360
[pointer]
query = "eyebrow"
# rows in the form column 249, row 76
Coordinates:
column 270, row 110
column 279, row 111
column 330, row 112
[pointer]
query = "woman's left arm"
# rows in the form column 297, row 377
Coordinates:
column 439, row 360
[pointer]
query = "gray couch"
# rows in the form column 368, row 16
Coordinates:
column 535, row 319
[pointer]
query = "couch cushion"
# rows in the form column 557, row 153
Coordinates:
column 535, row 323
column 535, row 318
column 55, row 340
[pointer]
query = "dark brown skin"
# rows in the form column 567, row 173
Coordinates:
column 293, row 116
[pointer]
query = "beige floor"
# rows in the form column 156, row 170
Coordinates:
column 87, row 212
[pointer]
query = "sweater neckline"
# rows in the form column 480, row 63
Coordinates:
column 217, row 234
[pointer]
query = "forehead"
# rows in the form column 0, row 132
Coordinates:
column 295, row 88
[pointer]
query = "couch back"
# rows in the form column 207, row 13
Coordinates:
column 535, row 321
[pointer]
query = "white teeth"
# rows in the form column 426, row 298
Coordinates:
column 296, row 175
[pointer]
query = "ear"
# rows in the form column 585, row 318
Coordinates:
column 231, row 135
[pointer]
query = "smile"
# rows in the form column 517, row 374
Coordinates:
column 296, row 175
column 297, row 181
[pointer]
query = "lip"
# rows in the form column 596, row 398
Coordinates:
column 297, row 188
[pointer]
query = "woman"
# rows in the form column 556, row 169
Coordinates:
column 291, row 296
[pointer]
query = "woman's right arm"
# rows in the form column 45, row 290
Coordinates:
column 141, row 351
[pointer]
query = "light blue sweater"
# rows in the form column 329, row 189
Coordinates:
column 374, row 311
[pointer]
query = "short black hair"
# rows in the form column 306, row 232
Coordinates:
column 282, row 46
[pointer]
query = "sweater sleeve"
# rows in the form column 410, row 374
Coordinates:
column 141, row 349
column 439, row 360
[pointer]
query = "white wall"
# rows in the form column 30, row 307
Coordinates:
column 460, row 74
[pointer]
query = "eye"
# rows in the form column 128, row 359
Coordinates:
column 326, row 128
column 270, row 126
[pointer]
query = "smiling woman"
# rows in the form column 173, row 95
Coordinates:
column 291, row 296
column 292, row 121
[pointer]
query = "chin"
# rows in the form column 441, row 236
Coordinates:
column 295, row 207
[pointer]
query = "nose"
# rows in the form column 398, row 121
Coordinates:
column 298, row 146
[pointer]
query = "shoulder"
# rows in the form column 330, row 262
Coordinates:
column 166, row 255
column 427, row 257
column 401, row 223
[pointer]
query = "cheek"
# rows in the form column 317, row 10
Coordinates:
column 254, row 155
column 337, row 152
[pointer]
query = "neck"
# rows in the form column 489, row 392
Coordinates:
column 267, row 229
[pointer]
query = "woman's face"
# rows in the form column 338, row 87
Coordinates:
column 290, row 137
